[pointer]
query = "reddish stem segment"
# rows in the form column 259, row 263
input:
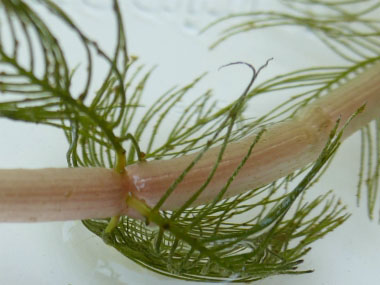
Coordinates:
column 284, row 148
column 60, row 194
column 80, row 193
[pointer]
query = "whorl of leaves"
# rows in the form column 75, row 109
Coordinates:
column 243, row 238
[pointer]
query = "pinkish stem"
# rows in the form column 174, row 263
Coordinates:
column 80, row 193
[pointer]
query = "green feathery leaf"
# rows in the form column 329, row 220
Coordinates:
column 350, row 31
column 242, row 238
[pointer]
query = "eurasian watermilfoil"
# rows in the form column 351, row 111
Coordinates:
column 281, row 149
column 244, row 165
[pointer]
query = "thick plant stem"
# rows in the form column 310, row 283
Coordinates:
column 283, row 148
column 67, row 194
column 60, row 194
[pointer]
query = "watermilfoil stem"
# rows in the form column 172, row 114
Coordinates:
column 82, row 193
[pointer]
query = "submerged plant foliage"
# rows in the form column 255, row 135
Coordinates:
column 263, row 232
column 351, row 29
